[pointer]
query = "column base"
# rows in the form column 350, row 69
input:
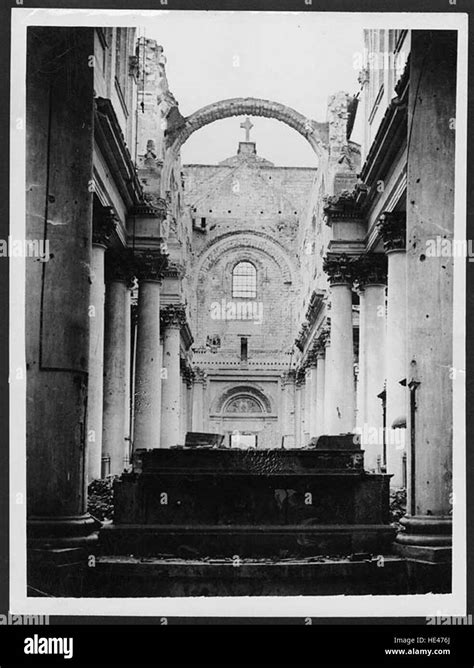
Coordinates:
column 69, row 531
column 425, row 538
column 59, row 552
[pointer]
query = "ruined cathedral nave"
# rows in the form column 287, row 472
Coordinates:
column 243, row 349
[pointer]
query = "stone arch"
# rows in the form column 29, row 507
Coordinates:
column 241, row 239
column 244, row 390
column 316, row 134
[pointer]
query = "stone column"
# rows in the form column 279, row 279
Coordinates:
column 288, row 408
column 430, row 223
column 362, row 366
column 59, row 211
column 298, row 413
column 328, row 378
column 187, row 376
column 392, row 226
column 116, row 360
column 320, row 386
column 173, row 318
column 308, row 390
column 198, row 400
column 147, row 418
column 302, row 420
column 342, row 411
column 311, row 384
column 182, row 411
column 128, row 370
column 189, row 401
column 103, row 229
column 370, row 273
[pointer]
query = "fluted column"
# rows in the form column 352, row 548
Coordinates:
column 119, row 271
column 288, row 409
column 342, row 411
column 393, row 230
column 430, row 298
column 147, row 418
column 198, row 400
column 173, row 318
column 103, row 228
column 370, row 273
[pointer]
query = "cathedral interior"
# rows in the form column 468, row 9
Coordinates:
column 255, row 354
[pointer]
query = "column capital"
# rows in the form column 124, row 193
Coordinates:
column 300, row 376
column 288, row 377
column 119, row 266
column 342, row 208
column 392, row 226
column 312, row 358
column 187, row 371
column 104, row 224
column 173, row 270
column 199, row 375
column 302, row 335
column 173, row 316
column 323, row 340
column 338, row 267
column 151, row 206
column 149, row 265
column 369, row 269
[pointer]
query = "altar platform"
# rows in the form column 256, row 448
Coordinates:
column 219, row 502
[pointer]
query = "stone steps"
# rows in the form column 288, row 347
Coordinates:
column 317, row 576
column 246, row 541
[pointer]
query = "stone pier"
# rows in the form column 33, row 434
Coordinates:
column 59, row 210
column 430, row 212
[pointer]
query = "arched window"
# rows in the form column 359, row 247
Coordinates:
column 244, row 280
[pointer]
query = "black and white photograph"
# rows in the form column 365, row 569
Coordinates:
column 238, row 313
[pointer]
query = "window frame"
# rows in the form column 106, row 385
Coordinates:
column 235, row 290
